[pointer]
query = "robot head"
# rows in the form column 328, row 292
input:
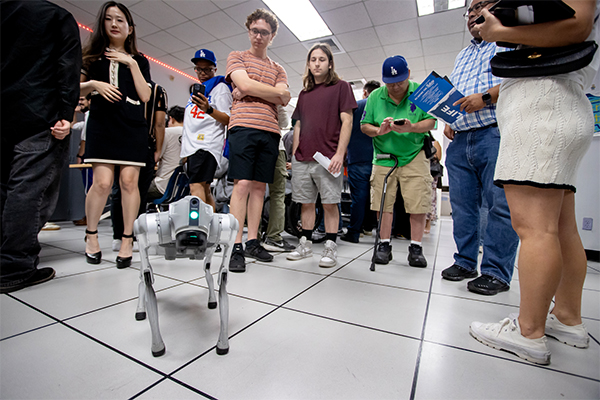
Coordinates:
column 190, row 221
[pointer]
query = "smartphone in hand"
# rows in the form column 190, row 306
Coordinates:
column 399, row 121
column 198, row 89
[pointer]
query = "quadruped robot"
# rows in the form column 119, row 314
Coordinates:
column 191, row 230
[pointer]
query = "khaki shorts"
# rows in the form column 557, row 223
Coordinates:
column 309, row 179
column 415, row 183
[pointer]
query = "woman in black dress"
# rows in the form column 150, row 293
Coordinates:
column 117, row 76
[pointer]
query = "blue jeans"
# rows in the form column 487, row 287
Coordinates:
column 471, row 161
column 359, row 175
column 31, row 171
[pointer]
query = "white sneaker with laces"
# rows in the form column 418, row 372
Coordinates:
column 116, row 244
column 506, row 335
column 329, row 257
column 303, row 250
column 575, row 336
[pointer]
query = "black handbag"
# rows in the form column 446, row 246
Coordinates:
column 428, row 146
column 543, row 61
column 436, row 169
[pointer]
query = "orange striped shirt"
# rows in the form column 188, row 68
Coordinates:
column 254, row 112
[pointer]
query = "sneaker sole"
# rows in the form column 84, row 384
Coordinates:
column 237, row 269
column 268, row 247
column 580, row 344
column 536, row 359
column 327, row 264
column 458, row 278
column 417, row 264
column 487, row 292
column 258, row 259
column 296, row 258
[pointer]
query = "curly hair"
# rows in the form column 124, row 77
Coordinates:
column 267, row 15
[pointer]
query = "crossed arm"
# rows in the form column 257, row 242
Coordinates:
column 245, row 86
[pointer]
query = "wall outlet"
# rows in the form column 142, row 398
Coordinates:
column 588, row 223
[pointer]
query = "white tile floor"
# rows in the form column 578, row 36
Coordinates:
column 296, row 331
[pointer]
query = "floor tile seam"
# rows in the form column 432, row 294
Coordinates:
column 61, row 248
column 90, row 337
column 380, row 284
column 371, row 328
column 594, row 269
column 146, row 389
column 28, row 331
column 415, row 380
column 515, row 359
column 482, row 300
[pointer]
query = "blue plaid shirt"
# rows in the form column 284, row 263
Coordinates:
column 472, row 74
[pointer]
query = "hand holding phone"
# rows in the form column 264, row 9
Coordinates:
column 400, row 121
column 198, row 89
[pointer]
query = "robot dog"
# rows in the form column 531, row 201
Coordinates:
column 188, row 230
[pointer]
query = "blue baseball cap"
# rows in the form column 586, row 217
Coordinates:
column 395, row 69
column 204, row 54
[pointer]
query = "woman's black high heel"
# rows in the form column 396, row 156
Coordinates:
column 124, row 262
column 95, row 258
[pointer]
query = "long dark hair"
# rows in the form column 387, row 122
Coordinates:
column 308, row 80
column 99, row 41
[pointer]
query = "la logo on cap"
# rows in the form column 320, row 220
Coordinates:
column 202, row 54
column 394, row 72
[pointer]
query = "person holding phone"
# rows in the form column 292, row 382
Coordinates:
column 118, row 77
column 546, row 125
column 204, row 124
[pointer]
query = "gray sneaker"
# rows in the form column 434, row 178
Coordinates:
column 329, row 257
column 274, row 245
column 303, row 250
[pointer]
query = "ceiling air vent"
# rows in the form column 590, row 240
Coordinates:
column 336, row 47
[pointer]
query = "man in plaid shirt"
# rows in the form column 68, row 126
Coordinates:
column 471, row 161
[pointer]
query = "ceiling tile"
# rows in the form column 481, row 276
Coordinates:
column 406, row 49
column 442, row 23
column 186, row 55
column 299, row 66
column 239, row 13
column 418, row 76
column 343, row 60
column 158, row 13
column 371, row 69
column 347, row 19
column 416, row 63
column 238, row 42
column 84, row 16
column 349, row 74
column 223, row 4
column 220, row 25
column 192, row 8
column 191, row 34
column 284, row 37
column 174, row 62
column 440, row 61
column 220, row 49
column 149, row 49
column 398, row 32
column 326, row 5
column 388, row 11
column 291, row 53
column 442, row 44
column 166, row 42
column 144, row 28
column 368, row 56
column 358, row 40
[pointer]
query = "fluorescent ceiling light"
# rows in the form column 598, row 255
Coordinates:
column 426, row 7
column 300, row 17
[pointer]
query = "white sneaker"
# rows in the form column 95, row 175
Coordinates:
column 303, row 250
column 575, row 336
column 506, row 335
column 329, row 257
column 49, row 226
column 116, row 244
column 136, row 246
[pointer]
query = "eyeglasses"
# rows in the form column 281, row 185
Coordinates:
column 256, row 32
column 207, row 71
column 477, row 7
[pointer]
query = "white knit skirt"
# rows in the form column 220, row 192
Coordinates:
column 546, row 126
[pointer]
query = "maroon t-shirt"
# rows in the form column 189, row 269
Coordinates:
column 319, row 114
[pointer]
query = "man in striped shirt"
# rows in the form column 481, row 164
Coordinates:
column 471, row 161
column 260, row 85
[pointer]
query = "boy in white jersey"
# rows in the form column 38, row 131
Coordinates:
column 204, row 125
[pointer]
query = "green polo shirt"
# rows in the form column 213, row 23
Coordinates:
column 405, row 146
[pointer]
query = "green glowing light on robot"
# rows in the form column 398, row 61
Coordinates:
column 194, row 215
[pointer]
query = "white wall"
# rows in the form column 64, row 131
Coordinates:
column 587, row 197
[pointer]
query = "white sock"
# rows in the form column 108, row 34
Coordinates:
column 385, row 240
column 415, row 242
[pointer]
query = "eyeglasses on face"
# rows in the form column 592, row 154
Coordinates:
column 477, row 7
column 256, row 32
column 207, row 71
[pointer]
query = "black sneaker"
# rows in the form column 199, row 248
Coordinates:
column 349, row 237
column 237, row 262
column 383, row 255
column 39, row 276
column 318, row 236
column 281, row 245
column 416, row 257
column 255, row 250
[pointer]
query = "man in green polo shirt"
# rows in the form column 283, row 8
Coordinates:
column 404, row 139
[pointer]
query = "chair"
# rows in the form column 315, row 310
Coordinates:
column 177, row 188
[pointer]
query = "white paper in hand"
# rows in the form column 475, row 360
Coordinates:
column 324, row 161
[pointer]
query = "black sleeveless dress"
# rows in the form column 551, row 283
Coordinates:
column 117, row 133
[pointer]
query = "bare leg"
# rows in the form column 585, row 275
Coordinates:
column 417, row 226
column 332, row 218
column 130, row 201
column 535, row 216
column 255, row 205
column 238, row 204
column 386, row 224
column 308, row 216
column 95, row 201
column 568, row 295
column 202, row 190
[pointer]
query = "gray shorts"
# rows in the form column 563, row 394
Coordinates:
column 309, row 179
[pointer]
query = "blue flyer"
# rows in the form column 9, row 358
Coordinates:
column 435, row 96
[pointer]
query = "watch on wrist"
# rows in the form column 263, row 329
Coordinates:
column 210, row 110
column 487, row 98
